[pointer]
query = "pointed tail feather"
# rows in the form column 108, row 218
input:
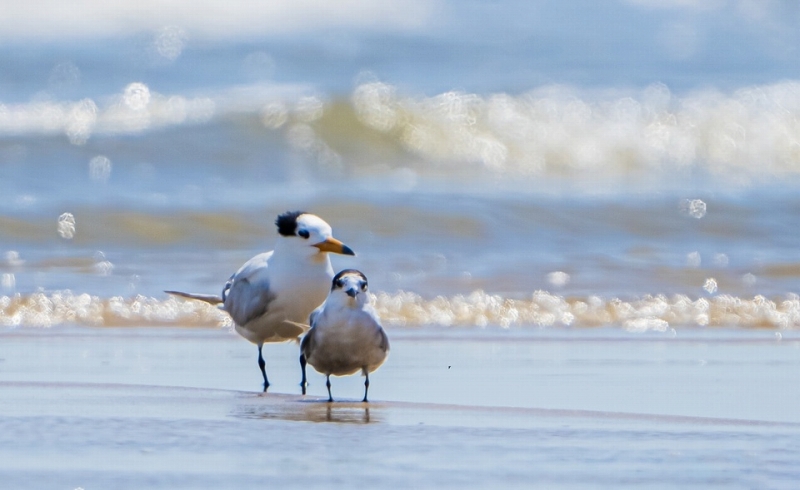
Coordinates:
column 303, row 326
column 208, row 298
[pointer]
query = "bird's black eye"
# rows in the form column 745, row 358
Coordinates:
column 363, row 286
column 339, row 283
column 303, row 233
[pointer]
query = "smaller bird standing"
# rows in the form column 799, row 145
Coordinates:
column 346, row 335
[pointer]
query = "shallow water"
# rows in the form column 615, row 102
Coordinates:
column 159, row 407
column 692, row 374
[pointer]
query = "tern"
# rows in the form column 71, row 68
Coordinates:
column 346, row 335
column 271, row 296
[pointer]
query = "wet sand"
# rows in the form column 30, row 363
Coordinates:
column 178, row 408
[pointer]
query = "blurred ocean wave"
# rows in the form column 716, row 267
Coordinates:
column 556, row 131
column 409, row 310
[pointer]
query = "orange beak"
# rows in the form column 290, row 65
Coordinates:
column 334, row 246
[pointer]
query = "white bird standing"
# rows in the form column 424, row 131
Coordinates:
column 346, row 335
column 271, row 296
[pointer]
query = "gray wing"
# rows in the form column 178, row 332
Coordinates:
column 246, row 295
column 313, row 316
column 384, row 343
column 245, row 301
column 308, row 343
column 383, row 339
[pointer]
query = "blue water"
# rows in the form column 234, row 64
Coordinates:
column 592, row 151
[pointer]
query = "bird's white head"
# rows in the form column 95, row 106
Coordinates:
column 308, row 234
column 349, row 287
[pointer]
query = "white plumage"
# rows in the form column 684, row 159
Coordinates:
column 271, row 296
column 346, row 336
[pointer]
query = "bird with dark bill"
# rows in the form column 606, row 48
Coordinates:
column 345, row 336
column 271, row 296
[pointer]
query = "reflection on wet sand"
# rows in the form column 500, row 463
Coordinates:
column 311, row 410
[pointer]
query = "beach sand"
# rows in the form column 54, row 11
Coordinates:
column 179, row 408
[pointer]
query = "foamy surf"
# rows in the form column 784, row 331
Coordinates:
column 557, row 130
column 409, row 310
column 552, row 131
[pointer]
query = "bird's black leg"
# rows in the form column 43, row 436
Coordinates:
column 366, row 387
column 303, row 381
column 262, row 364
column 328, row 384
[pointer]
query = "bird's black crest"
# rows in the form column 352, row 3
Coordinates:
column 345, row 272
column 287, row 222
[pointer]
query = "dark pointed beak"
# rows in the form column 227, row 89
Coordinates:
column 352, row 292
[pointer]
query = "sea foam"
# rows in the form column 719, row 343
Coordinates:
column 408, row 310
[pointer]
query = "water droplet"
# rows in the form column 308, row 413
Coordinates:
column 721, row 260
column 169, row 42
column 136, row 96
column 558, row 279
column 693, row 259
column 66, row 226
column 710, row 285
column 102, row 266
column 80, row 121
column 693, row 207
column 12, row 259
column 8, row 282
column 100, row 168
column 749, row 280
column 274, row 115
